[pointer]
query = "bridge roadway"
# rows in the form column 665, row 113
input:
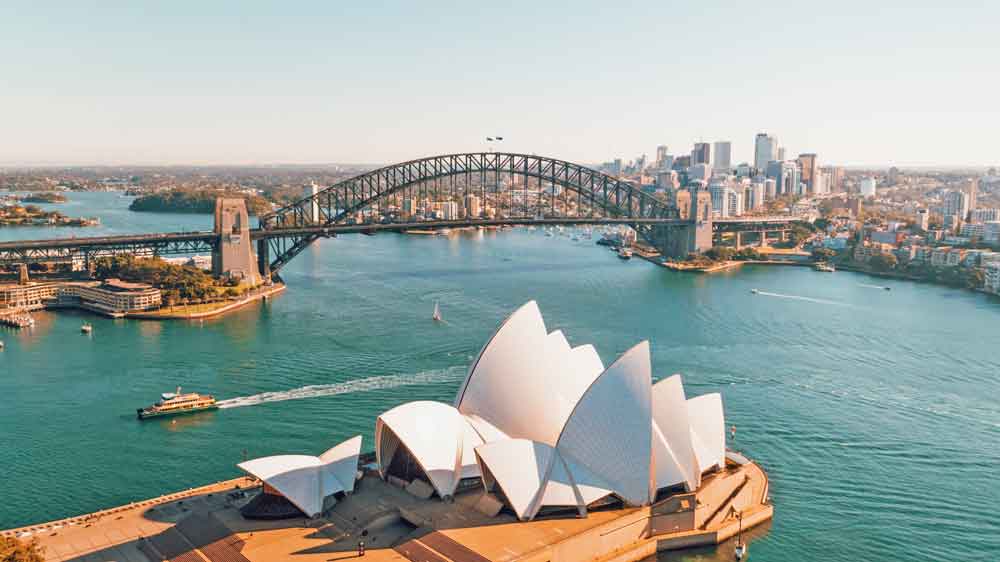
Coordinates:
column 183, row 243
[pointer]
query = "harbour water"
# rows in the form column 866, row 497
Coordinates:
column 874, row 412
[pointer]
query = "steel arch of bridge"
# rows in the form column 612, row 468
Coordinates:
column 337, row 202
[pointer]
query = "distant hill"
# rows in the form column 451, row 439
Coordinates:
column 193, row 201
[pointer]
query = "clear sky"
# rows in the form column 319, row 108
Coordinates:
column 200, row 82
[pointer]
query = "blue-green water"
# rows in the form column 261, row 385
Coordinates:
column 875, row 412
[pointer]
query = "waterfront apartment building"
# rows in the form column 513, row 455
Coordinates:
column 992, row 278
column 473, row 206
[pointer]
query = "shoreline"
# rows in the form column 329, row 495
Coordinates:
column 263, row 294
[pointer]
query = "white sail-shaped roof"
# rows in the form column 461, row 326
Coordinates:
column 673, row 454
column 525, row 382
column 436, row 435
column 339, row 465
column 519, row 467
column 610, row 430
column 708, row 430
column 305, row 480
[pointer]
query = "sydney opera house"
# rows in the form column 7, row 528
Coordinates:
column 539, row 432
column 545, row 455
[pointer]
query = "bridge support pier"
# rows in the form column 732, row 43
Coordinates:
column 264, row 259
column 233, row 255
column 694, row 236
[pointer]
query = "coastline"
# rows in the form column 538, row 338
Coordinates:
column 261, row 294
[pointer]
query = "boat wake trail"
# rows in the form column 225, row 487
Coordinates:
column 347, row 387
column 882, row 287
column 798, row 298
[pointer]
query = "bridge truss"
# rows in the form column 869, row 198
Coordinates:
column 497, row 180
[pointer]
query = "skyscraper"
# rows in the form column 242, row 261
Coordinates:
column 785, row 176
column 702, row 154
column 810, row 171
column 661, row 156
column 765, row 149
column 723, row 156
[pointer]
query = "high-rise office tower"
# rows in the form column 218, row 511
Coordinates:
column 810, row 171
column 781, row 153
column 785, row 176
column 765, row 149
column 973, row 193
column 661, row 156
column 702, row 154
column 723, row 160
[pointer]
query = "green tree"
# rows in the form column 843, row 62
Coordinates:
column 823, row 254
column 883, row 262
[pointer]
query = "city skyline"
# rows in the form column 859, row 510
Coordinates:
column 120, row 84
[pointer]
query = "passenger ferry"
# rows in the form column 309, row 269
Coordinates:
column 173, row 403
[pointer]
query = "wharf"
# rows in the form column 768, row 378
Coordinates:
column 205, row 524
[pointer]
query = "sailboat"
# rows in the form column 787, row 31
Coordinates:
column 437, row 313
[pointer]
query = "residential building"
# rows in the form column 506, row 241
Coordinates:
column 836, row 179
column 723, row 156
column 473, row 206
column 448, row 210
column 734, row 202
column 956, row 202
column 991, row 232
column 985, row 215
column 992, row 278
column 923, row 219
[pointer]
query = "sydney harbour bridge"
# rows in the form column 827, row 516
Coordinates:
column 483, row 188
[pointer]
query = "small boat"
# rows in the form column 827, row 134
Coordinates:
column 754, row 291
column 173, row 403
column 437, row 313
column 887, row 288
column 625, row 253
column 86, row 328
column 741, row 547
column 1, row 345
column 823, row 266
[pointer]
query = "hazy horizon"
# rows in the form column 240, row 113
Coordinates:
column 259, row 84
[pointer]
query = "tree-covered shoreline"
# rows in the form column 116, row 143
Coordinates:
column 193, row 201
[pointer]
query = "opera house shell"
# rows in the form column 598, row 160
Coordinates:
column 549, row 428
